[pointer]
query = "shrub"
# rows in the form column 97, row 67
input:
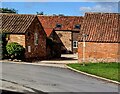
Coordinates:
column 3, row 43
column 15, row 50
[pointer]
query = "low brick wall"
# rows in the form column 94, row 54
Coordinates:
column 99, row 52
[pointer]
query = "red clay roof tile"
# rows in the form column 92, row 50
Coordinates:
column 101, row 27
column 48, row 31
column 67, row 22
column 16, row 23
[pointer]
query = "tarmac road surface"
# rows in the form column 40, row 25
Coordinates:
column 53, row 79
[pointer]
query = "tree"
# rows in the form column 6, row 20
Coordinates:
column 8, row 10
column 61, row 15
column 40, row 13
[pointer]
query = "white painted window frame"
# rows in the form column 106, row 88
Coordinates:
column 76, row 43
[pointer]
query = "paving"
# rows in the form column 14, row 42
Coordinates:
column 14, row 87
column 59, row 62
column 53, row 79
column 50, row 76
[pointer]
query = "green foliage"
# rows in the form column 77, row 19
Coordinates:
column 15, row 50
column 40, row 13
column 7, row 10
column 61, row 15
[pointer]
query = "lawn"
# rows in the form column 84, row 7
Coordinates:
column 106, row 70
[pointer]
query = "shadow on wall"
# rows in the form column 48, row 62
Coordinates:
column 63, row 48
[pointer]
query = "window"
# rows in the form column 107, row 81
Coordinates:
column 77, row 26
column 58, row 25
column 36, row 38
column 75, row 44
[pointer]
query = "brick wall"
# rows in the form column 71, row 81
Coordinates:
column 36, row 51
column 119, row 52
column 19, row 38
column 66, row 38
column 99, row 52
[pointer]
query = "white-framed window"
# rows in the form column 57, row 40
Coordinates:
column 36, row 38
column 75, row 44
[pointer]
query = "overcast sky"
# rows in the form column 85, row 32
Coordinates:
column 66, row 8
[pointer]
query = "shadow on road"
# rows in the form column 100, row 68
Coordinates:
column 63, row 58
column 13, row 92
column 10, row 92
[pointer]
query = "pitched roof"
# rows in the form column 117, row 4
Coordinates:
column 101, row 27
column 67, row 22
column 16, row 23
column 48, row 31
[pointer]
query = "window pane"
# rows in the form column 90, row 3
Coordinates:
column 36, row 39
column 75, row 44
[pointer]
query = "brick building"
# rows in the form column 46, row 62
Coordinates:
column 66, row 27
column 53, row 44
column 27, row 31
column 102, row 38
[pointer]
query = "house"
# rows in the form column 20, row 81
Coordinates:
column 66, row 27
column 27, row 31
column 101, row 33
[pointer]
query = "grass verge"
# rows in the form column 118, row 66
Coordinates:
column 107, row 70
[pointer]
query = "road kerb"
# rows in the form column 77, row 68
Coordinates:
column 94, row 76
column 26, row 63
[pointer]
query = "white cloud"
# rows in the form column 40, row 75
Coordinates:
column 85, row 8
column 101, row 7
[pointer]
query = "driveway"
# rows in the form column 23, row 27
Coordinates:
column 53, row 79
column 60, row 62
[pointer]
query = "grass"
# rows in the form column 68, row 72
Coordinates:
column 106, row 70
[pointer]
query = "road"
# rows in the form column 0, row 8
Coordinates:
column 53, row 79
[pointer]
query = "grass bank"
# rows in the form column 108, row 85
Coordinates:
column 106, row 70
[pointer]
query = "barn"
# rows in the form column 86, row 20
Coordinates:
column 53, row 44
column 99, row 39
column 67, row 29
column 27, row 31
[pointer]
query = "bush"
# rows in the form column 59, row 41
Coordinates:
column 3, row 43
column 15, row 50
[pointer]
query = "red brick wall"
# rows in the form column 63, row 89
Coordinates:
column 99, row 52
column 19, row 38
column 37, row 51
column 119, row 52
